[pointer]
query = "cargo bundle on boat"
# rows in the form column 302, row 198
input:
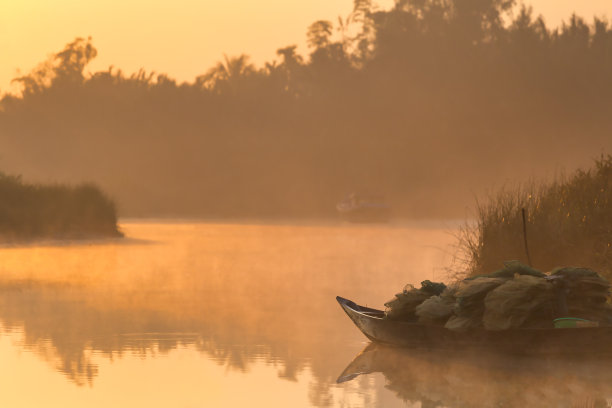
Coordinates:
column 514, row 309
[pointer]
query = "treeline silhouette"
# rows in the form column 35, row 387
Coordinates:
column 30, row 211
column 426, row 103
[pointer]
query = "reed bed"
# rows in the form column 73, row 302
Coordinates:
column 568, row 223
column 31, row 211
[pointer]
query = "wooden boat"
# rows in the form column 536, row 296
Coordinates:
column 372, row 323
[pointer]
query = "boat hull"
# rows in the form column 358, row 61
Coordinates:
column 375, row 327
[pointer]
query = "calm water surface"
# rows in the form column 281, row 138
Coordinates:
column 244, row 315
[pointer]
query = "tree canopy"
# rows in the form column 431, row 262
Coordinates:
column 426, row 102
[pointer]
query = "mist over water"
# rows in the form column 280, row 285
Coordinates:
column 244, row 314
column 222, row 307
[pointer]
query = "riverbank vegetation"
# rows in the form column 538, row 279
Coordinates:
column 425, row 103
column 36, row 211
column 568, row 222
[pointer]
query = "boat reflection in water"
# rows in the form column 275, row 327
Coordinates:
column 481, row 379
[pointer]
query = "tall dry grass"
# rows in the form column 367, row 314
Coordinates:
column 568, row 223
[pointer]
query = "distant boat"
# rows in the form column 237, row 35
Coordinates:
column 363, row 208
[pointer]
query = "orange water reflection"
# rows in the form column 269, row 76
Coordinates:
column 197, row 314
column 252, row 304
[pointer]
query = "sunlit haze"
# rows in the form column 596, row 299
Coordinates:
column 192, row 190
column 183, row 37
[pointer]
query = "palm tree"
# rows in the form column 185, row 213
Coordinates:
column 318, row 34
column 227, row 75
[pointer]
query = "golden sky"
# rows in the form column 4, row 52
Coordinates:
column 182, row 37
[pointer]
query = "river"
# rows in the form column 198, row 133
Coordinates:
column 201, row 314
